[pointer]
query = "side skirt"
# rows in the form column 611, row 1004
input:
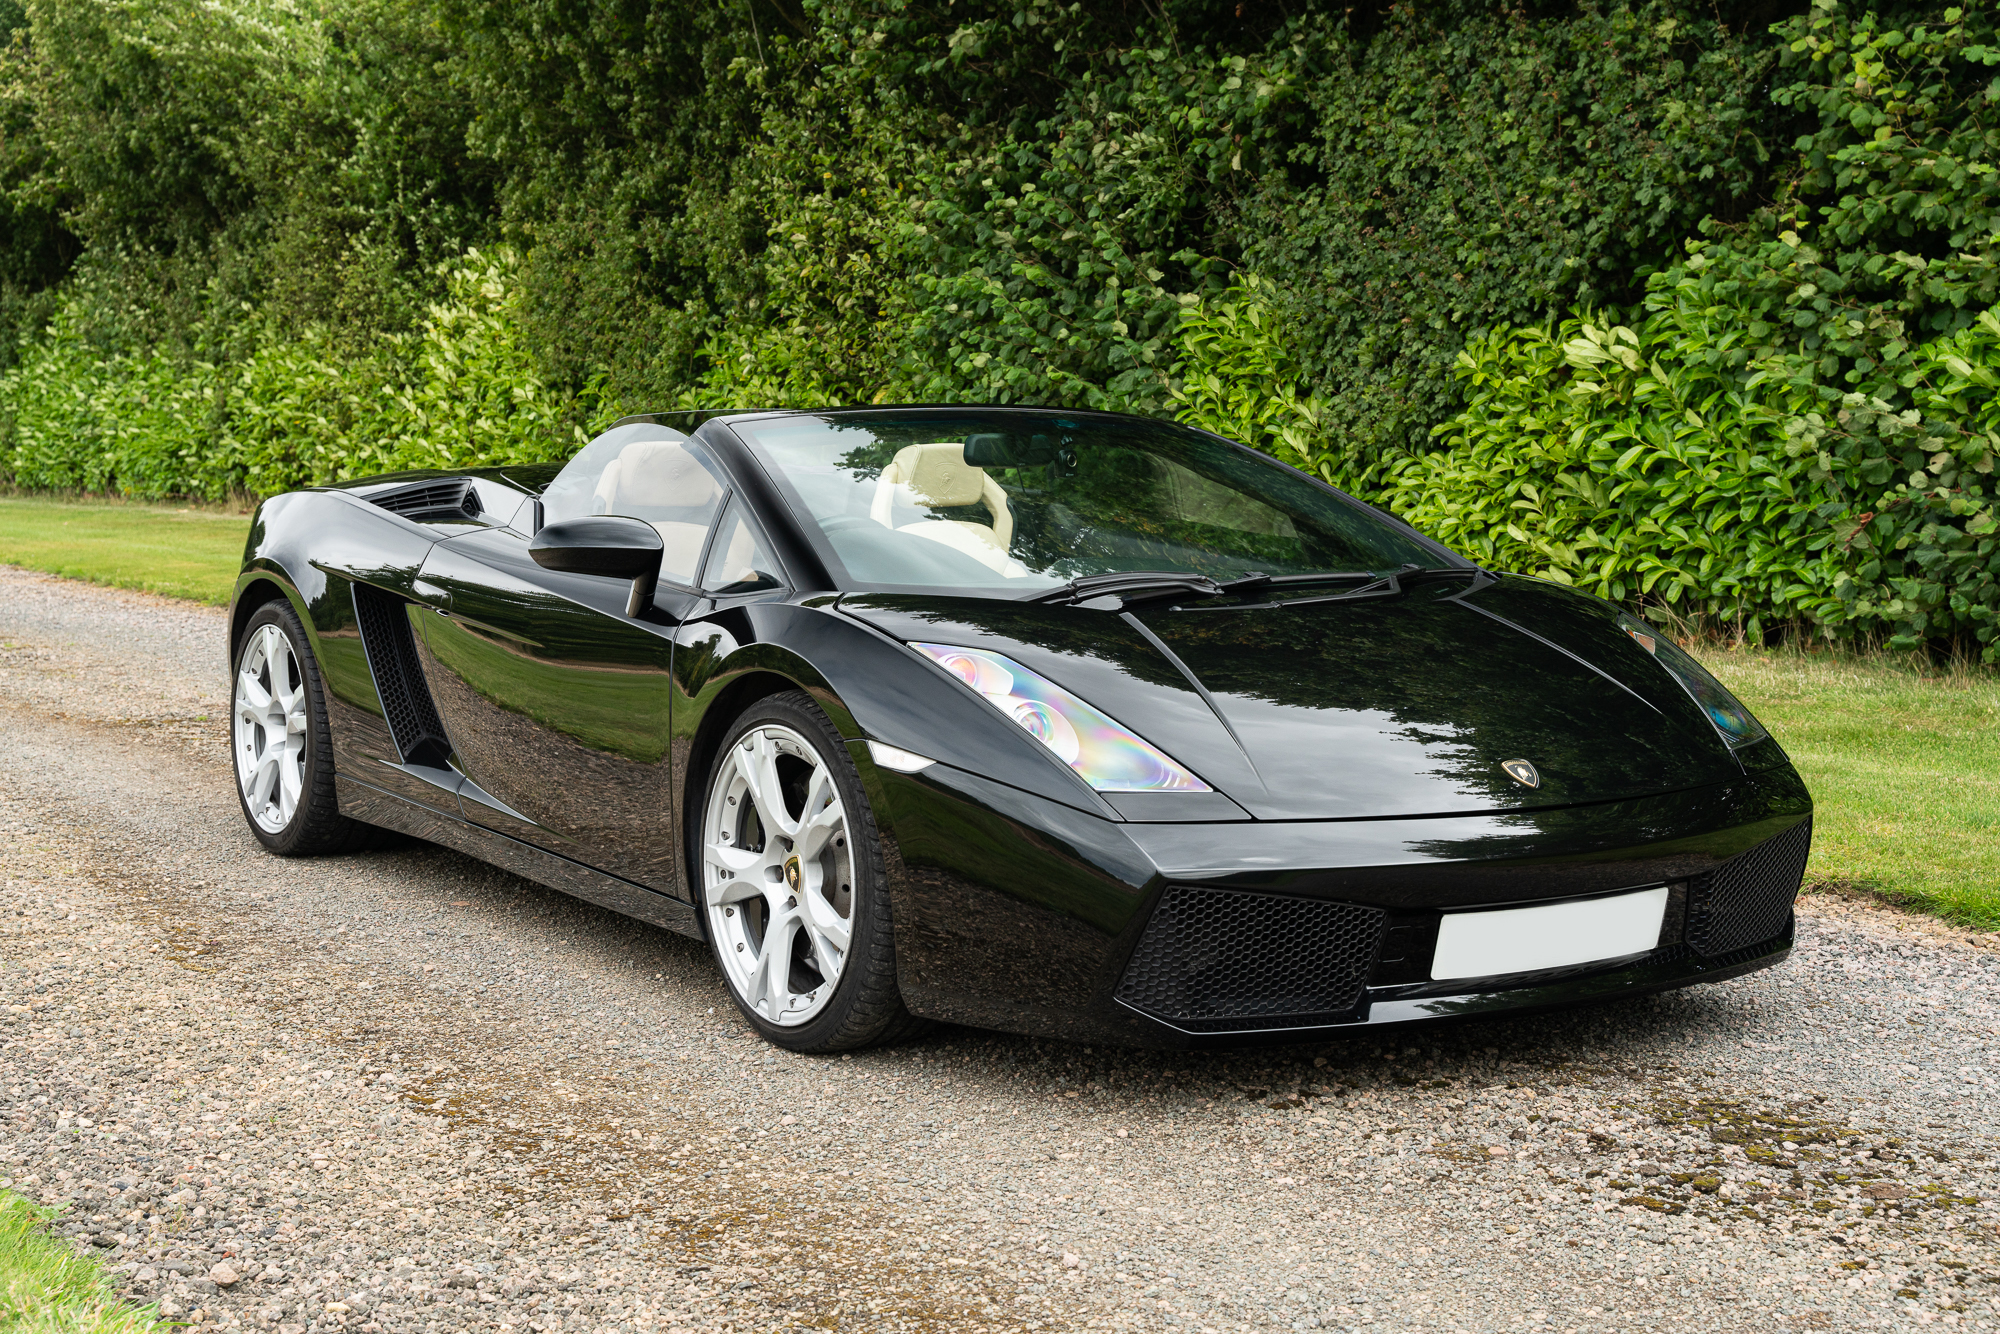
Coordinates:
column 373, row 806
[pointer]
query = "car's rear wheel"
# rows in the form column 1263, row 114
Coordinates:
column 280, row 743
column 793, row 886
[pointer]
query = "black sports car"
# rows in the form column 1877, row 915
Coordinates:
column 1057, row 722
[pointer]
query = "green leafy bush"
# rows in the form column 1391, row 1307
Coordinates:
column 1798, row 423
column 1439, row 255
column 1238, row 375
column 1597, row 456
column 1642, row 466
column 1859, row 300
column 1637, row 466
column 1449, row 169
column 462, row 390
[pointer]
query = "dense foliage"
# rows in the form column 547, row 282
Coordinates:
column 1684, row 303
column 1804, row 424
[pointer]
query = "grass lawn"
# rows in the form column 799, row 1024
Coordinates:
column 1903, row 761
column 180, row 551
column 46, row 1285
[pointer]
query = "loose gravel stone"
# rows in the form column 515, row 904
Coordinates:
column 407, row 1091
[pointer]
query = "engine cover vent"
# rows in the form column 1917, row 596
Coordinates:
column 448, row 499
column 1748, row 899
column 1220, row 960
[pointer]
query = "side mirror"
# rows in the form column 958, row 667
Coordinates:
column 607, row 544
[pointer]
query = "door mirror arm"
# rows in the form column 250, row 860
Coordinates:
column 641, row 595
column 610, row 545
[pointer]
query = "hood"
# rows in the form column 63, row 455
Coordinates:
column 1401, row 706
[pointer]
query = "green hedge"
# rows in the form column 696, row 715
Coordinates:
column 1625, row 464
column 1647, row 466
column 460, row 390
column 1683, row 306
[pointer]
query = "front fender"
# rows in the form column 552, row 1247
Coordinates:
column 874, row 688
column 1052, row 860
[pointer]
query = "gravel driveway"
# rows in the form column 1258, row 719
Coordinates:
column 406, row 1091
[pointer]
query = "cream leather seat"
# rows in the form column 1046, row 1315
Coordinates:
column 938, row 477
column 661, row 482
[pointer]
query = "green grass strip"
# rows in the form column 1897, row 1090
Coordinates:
column 47, row 1288
column 178, row 551
column 1904, row 768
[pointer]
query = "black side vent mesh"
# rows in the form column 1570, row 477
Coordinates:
column 454, row 498
column 399, row 677
column 1749, row 899
column 1224, row 960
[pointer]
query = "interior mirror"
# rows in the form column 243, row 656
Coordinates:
column 607, row 544
column 994, row 450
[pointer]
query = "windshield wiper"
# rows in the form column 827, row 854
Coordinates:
column 1140, row 585
column 1367, row 584
column 1417, row 574
column 1132, row 585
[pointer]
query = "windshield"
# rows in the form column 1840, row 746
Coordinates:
column 1019, row 502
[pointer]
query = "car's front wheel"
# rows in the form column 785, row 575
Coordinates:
column 793, row 885
column 279, row 740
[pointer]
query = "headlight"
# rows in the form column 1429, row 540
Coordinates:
column 1731, row 719
column 1107, row 756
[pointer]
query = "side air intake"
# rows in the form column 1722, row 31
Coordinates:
column 1217, row 961
column 384, row 620
column 452, row 498
column 1749, row 899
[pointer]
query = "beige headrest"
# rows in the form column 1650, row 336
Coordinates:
column 939, row 475
column 655, row 474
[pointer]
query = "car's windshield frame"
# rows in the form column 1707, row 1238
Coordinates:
column 742, row 429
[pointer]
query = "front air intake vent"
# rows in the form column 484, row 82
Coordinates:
column 452, row 498
column 1748, row 900
column 384, row 620
column 1215, row 960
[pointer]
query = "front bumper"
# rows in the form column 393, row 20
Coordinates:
column 1019, row 914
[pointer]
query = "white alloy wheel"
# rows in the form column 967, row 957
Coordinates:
column 778, row 874
column 270, row 728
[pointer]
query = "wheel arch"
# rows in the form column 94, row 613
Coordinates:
column 257, row 591
column 730, row 703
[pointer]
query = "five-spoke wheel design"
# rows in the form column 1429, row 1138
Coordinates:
column 270, row 727
column 778, row 874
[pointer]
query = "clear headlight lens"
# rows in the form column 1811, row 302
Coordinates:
column 1109, row 757
column 1731, row 719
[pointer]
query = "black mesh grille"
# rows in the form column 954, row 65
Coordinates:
column 453, row 499
column 399, row 677
column 1749, row 899
column 1214, row 960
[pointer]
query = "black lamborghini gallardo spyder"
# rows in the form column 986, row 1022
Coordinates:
column 1057, row 722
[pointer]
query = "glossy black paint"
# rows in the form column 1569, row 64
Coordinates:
column 1354, row 749
column 555, row 701
column 312, row 548
column 602, row 545
column 381, row 808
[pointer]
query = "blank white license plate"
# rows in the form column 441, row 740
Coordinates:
column 1550, row 935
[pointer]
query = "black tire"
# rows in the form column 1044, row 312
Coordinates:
column 866, row 1008
column 315, row 826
